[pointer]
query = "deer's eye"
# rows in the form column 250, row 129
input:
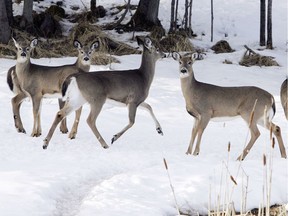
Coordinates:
column 90, row 53
column 181, row 62
column 189, row 63
column 27, row 49
column 82, row 52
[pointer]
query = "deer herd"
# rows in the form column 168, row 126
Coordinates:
column 75, row 86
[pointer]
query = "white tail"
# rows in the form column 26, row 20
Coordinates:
column 205, row 102
column 26, row 79
column 284, row 97
column 129, row 87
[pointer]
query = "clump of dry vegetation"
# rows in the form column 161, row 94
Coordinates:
column 222, row 46
column 176, row 42
column 88, row 33
column 251, row 58
column 84, row 32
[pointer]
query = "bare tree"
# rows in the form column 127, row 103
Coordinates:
column 146, row 15
column 212, row 20
column 172, row 17
column 269, row 25
column 93, row 6
column 187, row 18
column 5, row 29
column 27, row 11
column 9, row 11
column 262, row 22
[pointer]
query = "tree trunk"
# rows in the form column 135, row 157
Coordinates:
column 172, row 17
column 269, row 26
column 176, row 14
column 212, row 20
column 146, row 15
column 27, row 11
column 93, row 6
column 190, row 32
column 262, row 22
column 5, row 32
column 9, row 11
column 186, row 16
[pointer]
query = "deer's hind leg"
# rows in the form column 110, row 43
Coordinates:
column 74, row 129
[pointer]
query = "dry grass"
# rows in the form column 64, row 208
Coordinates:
column 176, row 42
column 88, row 33
column 222, row 47
column 55, row 48
column 257, row 60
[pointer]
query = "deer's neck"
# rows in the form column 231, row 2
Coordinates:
column 81, row 66
column 147, row 67
column 22, row 67
column 188, row 83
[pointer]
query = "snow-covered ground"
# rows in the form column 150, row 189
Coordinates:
column 78, row 177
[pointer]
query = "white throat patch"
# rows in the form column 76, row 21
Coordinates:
column 184, row 75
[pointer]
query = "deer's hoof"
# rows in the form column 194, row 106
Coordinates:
column 72, row 136
column 159, row 130
column 114, row 138
column 21, row 130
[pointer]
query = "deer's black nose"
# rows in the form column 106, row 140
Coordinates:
column 23, row 54
column 86, row 59
column 183, row 70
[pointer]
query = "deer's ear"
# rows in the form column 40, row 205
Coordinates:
column 95, row 45
column 15, row 43
column 147, row 42
column 34, row 43
column 194, row 55
column 140, row 40
column 176, row 56
column 77, row 44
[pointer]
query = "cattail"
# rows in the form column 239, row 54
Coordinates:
column 271, row 131
column 264, row 159
column 233, row 180
column 165, row 163
column 229, row 146
column 273, row 142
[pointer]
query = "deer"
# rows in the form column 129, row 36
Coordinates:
column 284, row 97
column 206, row 102
column 27, row 79
column 128, row 87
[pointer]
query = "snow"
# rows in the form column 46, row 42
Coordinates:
column 79, row 177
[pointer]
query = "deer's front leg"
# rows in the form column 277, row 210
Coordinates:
column 132, row 113
column 16, row 103
column 63, row 125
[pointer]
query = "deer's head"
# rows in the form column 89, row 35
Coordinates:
column 85, row 52
column 185, row 63
column 150, row 47
column 24, row 52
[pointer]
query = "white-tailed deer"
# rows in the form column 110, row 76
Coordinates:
column 205, row 102
column 284, row 97
column 26, row 79
column 130, row 87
